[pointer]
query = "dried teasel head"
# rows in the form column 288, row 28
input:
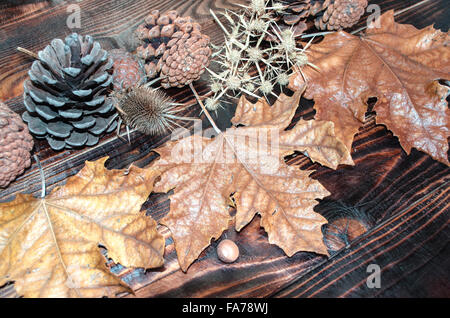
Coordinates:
column 148, row 110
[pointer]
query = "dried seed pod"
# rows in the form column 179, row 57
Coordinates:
column 185, row 59
column 148, row 110
column 227, row 251
column 15, row 145
column 154, row 34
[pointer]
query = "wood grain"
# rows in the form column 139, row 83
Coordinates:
column 398, row 204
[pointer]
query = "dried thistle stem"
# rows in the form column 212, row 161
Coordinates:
column 211, row 120
column 219, row 23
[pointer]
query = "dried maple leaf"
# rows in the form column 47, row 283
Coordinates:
column 315, row 138
column 262, row 115
column 204, row 172
column 49, row 247
column 398, row 64
column 198, row 207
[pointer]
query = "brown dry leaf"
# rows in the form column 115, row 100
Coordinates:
column 315, row 138
column 396, row 63
column 198, row 207
column 285, row 199
column 262, row 115
column 204, row 173
column 49, row 247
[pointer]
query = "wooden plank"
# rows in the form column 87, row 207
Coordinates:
column 399, row 201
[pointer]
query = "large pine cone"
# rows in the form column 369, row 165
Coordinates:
column 173, row 47
column 15, row 146
column 66, row 95
column 329, row 14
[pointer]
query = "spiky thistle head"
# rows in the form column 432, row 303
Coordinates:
column 234, row 82
column 258, row 6
column 266, row 87
column 257, row 25
column 147, row 110
column 249, row 87
column 216, row 87
column 278, row 7
column 288, row 42
column 283, row 79
column 254, row 54
column 300, row 59
column 234, row 56
column 212, row 104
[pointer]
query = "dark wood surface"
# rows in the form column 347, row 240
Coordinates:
column 390, row 209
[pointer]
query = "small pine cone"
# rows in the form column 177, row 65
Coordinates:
column 341, row 14
column 295, row 12
column 128, row 71
column 298, row 10
column 185, row 59
column 15, row 146
column 330, row 14
column 165, row 51
column 66, row 96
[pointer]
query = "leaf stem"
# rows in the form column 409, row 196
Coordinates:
column 41, row 172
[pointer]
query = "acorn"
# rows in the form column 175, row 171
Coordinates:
column 227, row 251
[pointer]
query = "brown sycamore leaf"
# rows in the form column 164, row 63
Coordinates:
column 398, row 64
column 285, row 200
column 262, row 115
column 315, row 138
column 204, row 172
column 198, row 207
column 49, row 247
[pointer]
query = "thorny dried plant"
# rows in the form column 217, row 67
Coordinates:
column 246, row 50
